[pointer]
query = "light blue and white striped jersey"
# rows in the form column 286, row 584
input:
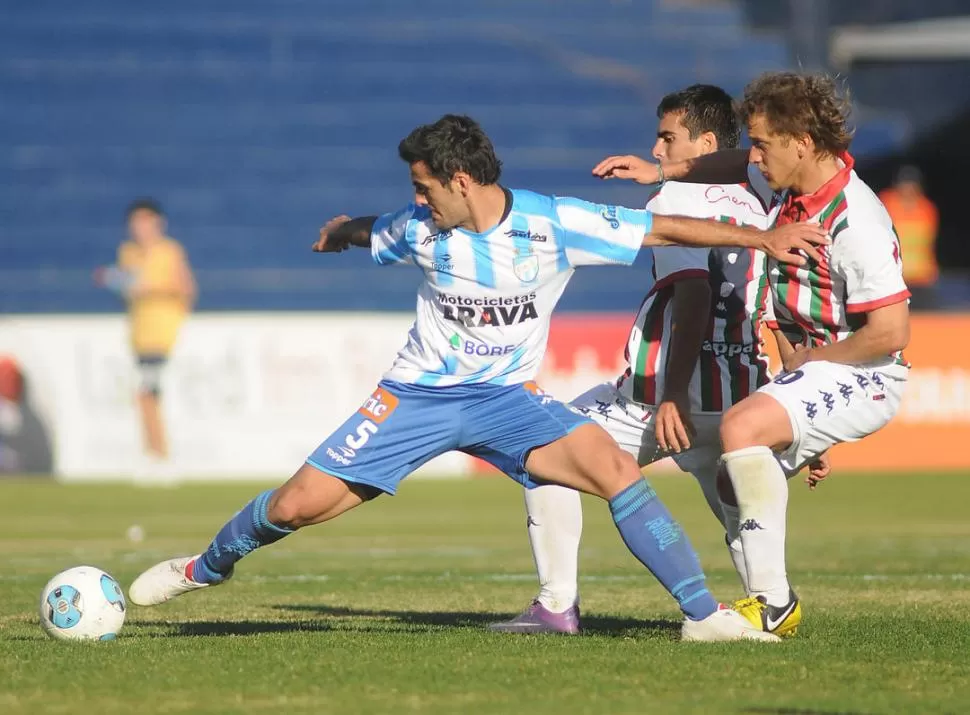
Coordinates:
column 485, row 303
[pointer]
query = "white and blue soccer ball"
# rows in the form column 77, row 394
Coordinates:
column 82, row 603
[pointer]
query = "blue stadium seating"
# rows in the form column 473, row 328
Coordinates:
column 254, row 121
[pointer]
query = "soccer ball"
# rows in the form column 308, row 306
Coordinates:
column 82, row 603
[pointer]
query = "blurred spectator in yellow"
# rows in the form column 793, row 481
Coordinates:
column 11, row 392
column 154, row 277
column 916, row 220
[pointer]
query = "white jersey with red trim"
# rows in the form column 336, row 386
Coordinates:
column 732, row 363
column 823, row 303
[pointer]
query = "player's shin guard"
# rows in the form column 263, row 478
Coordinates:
column 762, row 494
column 555, row 525
column 245, row 532
column 652, row 535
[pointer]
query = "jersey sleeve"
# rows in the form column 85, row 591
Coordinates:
column 868, row 259
column 675, row 263
column 389, row 243
column 598, row 234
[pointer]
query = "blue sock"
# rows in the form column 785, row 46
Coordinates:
column 659, row 542
column 245, row 532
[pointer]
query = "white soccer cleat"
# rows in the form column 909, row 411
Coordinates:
column 163, row 582
column 725, row 624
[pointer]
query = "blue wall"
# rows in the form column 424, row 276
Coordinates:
column 254, row 121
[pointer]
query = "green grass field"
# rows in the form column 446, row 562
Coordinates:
column 384, row 611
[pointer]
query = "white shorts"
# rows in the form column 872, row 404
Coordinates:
column 632, row 426
column 829, row 403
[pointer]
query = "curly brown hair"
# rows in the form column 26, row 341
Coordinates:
column 795, row 104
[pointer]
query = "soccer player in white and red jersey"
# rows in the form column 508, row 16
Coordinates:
column 695, row 349
column 845, row 318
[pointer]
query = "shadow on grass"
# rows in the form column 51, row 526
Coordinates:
column 796, row 711
column 592, row 624
column 361, row 620
column 226, row 628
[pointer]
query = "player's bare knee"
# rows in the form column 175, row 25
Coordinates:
column 289, row 507
column 615, row 472
column 738, row 429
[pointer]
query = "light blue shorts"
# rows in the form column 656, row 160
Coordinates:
column 402, row 426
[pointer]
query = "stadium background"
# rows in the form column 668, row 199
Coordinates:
column 253, row 122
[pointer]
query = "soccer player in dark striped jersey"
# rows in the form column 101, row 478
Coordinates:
column 843, row 318
column 683, row 370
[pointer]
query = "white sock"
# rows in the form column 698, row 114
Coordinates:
column 708, row 483
column 762, row 494
column 732, row 519
column 555, row 527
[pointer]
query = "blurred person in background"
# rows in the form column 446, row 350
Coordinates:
column 916, row 221
column 154, row 277
column 11, row 418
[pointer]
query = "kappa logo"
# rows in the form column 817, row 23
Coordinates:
column 604, row 408
column 846, row 391
column 378, row 407
column 829, row 399
column 750, row 525
column 721, row 349
column 811, row 410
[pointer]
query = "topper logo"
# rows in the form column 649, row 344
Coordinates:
column 379, row 405
column 715, row 194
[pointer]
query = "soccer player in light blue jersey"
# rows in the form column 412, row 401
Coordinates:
column 495, row 262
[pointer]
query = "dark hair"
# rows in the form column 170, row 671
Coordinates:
column 794, row 104
column 144, row 204
column 453, row 143
column 706, row 108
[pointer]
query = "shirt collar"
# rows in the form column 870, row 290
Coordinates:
column 815, row 202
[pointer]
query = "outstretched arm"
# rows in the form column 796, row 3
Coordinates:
column 779, row 243
column 342, row 232
column 728, row 166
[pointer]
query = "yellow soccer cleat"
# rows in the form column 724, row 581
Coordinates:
column 781, row 620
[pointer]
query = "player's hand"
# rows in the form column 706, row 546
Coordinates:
column 782, row 242
column 328, row 242
column 628, row 167
column 818, row 470
column 672, row 425
column 798, row 357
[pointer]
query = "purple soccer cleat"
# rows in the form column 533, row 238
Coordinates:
column 539, row 619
